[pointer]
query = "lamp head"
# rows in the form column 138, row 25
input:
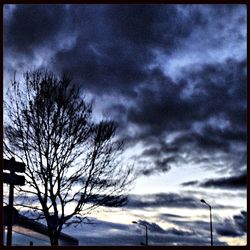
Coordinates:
column 203, row 201
column 134, row 222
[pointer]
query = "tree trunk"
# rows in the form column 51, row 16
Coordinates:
column 54, row 239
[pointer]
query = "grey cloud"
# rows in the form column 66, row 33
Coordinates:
column 190, row 183
column 111, row 49
column 113, row 43
column 231, row 182
column 228, row 229
column 172, row 200
column 213, row 114
column 241, row 221
column 189, row 232
column 153, row 227
column 179, row 232
column 159, row 165
column 32, row 26
column 233, row 227
column 168, row 215
column 222, row 227
column 164, row 108
column 153, row 25
column 116, row 234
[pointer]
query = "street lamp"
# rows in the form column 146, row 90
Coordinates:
column 211, row 230
column 135, row 222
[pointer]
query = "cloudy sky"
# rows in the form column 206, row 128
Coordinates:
column 174, row 79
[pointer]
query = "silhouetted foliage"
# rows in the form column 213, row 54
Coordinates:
column 72, row 163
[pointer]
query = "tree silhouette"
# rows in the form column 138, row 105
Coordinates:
column 72, row 163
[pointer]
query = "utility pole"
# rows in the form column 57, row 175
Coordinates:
column 12, row 179
column 10, row 213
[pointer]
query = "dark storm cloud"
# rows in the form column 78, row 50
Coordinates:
column 172, row 200
column 228, row 230
column 212, row 114
column 199, row 229
column 231, row 182
column 233, row 227
column 222, row 226
column 123, row 238
column 151, row 226
column 155, row 228
column 113, row 43
column 160, row 26
column 116, row 57
column 112, row 50
column 166, row 108
column 107, row 233
column 241, row 221
column 32, row 26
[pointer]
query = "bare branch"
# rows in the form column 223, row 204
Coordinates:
column 70, row 160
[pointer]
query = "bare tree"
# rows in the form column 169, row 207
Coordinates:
column 72, row 162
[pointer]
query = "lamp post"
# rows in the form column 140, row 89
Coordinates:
column 146, row 228
column 211, row 230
